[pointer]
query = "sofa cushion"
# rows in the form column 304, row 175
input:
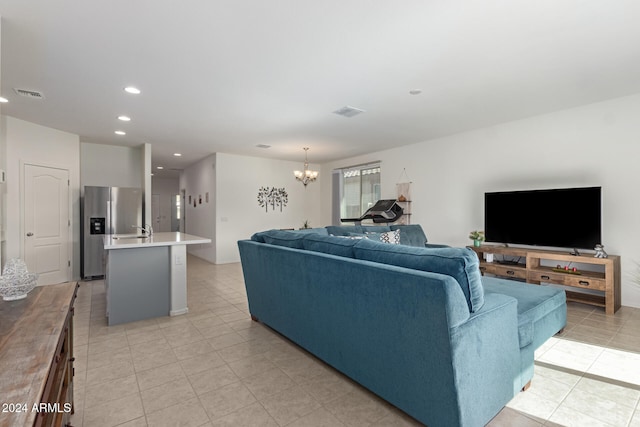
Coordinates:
column 290, row 239
column 534, row 303
column 460, row 263
column 375, row 228
column 411, row 234
column 343, row 230
column 318, row 230
column 258, row 237
column 334, row 245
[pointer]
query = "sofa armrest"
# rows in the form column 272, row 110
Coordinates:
column 486, row 357
column 434, row 245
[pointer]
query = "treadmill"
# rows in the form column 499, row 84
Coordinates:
column 383, row 211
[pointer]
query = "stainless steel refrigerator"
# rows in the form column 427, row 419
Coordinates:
column 107, row 210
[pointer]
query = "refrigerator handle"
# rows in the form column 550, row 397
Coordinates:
column 108, row 228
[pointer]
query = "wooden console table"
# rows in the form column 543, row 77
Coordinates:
column 530, row 266
column 36, row 357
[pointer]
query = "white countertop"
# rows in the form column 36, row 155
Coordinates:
column 124, row 241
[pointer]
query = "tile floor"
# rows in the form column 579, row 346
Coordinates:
column 215, row 367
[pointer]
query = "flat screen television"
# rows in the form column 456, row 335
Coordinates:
column 563, row 218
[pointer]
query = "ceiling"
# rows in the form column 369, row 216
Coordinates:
column 229, row 75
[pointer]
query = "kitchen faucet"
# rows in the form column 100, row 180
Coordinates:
column 147, row 229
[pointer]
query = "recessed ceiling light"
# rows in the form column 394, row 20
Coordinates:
column 133, row 90
column 160, row 167
column 177, row 154
column 124, row 118
column 415, row 91
column 3, row 99
column 120, row 132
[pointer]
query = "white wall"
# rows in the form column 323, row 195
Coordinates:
column 30, row 143
column 233, row 212
column 145, row 180
column 111, row 165
column 238, row 215
column 116, row 166
column 198, row 179
column 166, row 189
column 596, row 144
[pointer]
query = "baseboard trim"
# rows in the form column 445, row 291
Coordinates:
column 179, row 312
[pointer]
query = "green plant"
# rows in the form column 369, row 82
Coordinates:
column 306, row 224
column 477, row 235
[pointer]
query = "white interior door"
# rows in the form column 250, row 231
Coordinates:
column 47, row 223
column 165, row 212
column 155, row 212
column 175, row 212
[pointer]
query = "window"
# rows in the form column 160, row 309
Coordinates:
column 359, row 189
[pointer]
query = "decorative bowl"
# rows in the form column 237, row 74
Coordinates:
column 16, row 282
column 15, row 288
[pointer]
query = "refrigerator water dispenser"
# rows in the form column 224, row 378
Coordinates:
column 96, row 225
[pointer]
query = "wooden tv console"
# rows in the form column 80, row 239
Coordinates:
column 539, row 266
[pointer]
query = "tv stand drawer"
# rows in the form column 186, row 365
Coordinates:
column 577, row 281
column 508, row 271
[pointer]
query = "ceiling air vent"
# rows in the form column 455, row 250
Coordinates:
column 348, row 111
column 29, row 93
column 263, row 146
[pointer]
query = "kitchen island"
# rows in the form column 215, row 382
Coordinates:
column 146, row 277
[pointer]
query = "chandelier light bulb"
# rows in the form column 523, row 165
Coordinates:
column 307, row 175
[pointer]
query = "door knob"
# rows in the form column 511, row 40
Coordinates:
column 29, row 234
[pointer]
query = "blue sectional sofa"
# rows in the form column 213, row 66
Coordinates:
column 410, row 234
column 418, row 326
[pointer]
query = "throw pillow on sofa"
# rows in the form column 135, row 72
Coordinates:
column 392, row 237
column 353, row 236
column 460, row 263
column 411, row 234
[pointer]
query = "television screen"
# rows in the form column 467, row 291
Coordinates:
column 563, row 218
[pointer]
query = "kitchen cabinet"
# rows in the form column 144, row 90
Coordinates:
column 147, row 277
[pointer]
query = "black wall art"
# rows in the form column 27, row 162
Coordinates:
column 272, row 197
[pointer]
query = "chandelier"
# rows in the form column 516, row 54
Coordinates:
column 307, row 175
